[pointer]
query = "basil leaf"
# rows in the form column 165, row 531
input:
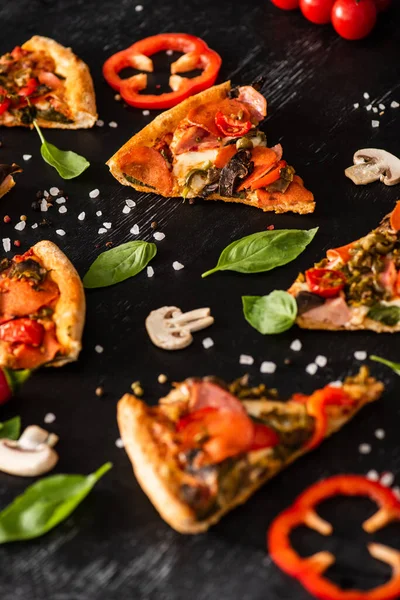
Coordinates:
column 263, row 251
column 16, row 379
column 388, row 315
column 68, row 164
column 270, row 314
column 388, row 363
column 120, row 263
column 11, row 429
column 45, row 504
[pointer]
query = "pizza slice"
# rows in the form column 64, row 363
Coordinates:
column 207, row 447
column 356, row 286
column 210, row 146
column 42, row 309
column 45, row 81
column 6, row 177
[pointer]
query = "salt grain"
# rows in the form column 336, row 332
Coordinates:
column 368, row 107
column 100, row 123
column 373, row 475
column 135, row 230
column 46, row 194
column 150, row 271
column 98, row 213
column 387, row 479
column 366, row 95
column 63, row 209
column 169, row 52
column 356, row 105
column 61, row 200
column 394, row 104
column 107, row 225
column 375, row 110
column 60, row 231
column 81, row 216
column 375, row 124
column 380, row 434
column 360, row 355
column 20, row 226
column 208, row 343
column 102, row 230
column 119, row 443
column 99, row 349
column 246, row 359
column 126, row 210
column 312, row 368
column 49, row 418
column 336, row 384
column 177, row 265
column 321, row 360
column 6, row 244
column 364, row 448
column 113, row 124
column 27, row 156
column 34, row 226
column 296, row 345
column 145, row 113
column 159, row 236
column 138, row 8
column 268, row 367
column 43, row 205
column 130, row 203
column 54, row 191
column 94, row 193
column 382, row 106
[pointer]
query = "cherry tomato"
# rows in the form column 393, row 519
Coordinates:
column 317, row 11
column 325, row 282
column 286, row 4
column 382, row 5
column 22, row 331
column 264, row 437
column 231, row 127
column 352, row 19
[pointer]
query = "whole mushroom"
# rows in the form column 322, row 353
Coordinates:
column 371, row 164
column 31, row 455
column 171, row 329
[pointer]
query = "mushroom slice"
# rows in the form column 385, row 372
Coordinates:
column 31, row 455
column 171, row 329
column 371, row 164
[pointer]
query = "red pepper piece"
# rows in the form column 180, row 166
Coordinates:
column 29, row 88
column 264, row 437
column 197, row 55
column 22, row 331
column 309, row 571
column 4, row 101
column 231, row 127
column 270, row 177
column 343, row 252
column 395, row 217
column 325, row 282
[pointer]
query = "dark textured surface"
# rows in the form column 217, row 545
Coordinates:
column 115, row 545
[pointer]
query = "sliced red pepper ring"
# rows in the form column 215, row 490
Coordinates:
column 325, row 282
column 309, row 571
column 197, row 55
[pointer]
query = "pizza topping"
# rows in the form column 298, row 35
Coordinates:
column 395, row 217
column 234, row 172
column 325, row 282
column 22, row 331
column 147, row 166
column 372, row 164
column 31, row 455
column 191, row 138
column 226, row 153
column 264, row 160
column 309, row 570
column 333, row 310
column 233, row 127
column 171, row 329
column 307, row 301
column 255, row 102
column 26, row 356
column 205, row 116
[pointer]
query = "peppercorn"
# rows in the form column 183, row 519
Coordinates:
column 23, row 218
column 99, row 391
column 154, row 224
column 17, row 243
column 162, row 378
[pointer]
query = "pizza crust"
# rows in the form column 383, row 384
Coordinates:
column 6, row 185
column 80, row 95
column 153, row 473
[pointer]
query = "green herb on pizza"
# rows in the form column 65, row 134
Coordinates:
column 270, row 314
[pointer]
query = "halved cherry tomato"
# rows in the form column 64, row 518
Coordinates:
column 231, row 127
column 325, row 282
column 264, row 437
column 22, row 331
column 353, row 19
column 286, row 4
column 270, row 177
column 317, row 11
column 29, row 88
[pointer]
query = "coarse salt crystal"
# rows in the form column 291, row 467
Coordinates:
column 113, row 124
column 364, row 448
column 394, row 104
column 177, row 265
column 61, row 200
column 99, row 349
column 375, row 110
column 130, row 203
column 126, row 210
column 102, row 230
column 246, row 359
column 46, row 194
column 366, row 95
column 336, row 384
column 27, row 156
column 100, row 123
column 296, row 345
column 135, row 230
column 360, row 355
column 375, row 123
column 98, row 213
column 81, row 216
column 20, row 226
column 34, row 226
column 368, row 107
column 138, row 8
column 150, row 271
column 145, row 113
column 321, row 360
column 107, row 225
column 63, row 209
column 382, row 106
column 373, row 475
column 169, row 52
column 49, row 418
column 380, row 434
column 387, row 479
column 208, row 343
column 60, row 231
column 159, row 236
column 6, row 244
column 268, row 367
column 94, row 193
column 119, row 443
column 312, row 368
column 43, row 205
column 54, row 191
column 356, row 105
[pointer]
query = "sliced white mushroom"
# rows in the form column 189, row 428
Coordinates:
column 171, row 329
column 371, row 164
column 31, row 455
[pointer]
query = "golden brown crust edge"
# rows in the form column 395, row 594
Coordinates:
column 80, row 93
column 148, row 465
column 69, row 315
column 6, row 185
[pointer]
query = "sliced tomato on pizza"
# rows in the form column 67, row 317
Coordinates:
column 210, row 146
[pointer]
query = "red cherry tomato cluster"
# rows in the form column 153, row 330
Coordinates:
column 352, row 19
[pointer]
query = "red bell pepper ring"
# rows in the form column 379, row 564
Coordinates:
column 229, row 126
column 309, row 571
column 325, row 282
column 197, row 55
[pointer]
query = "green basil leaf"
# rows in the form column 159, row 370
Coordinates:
column 68, row 164
column 270, row 314
column 16, row 379
column 11, row 429
column 45, row 504
column 388, row 363
column 120, row 263
column 388, row 315
column 263, row 251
